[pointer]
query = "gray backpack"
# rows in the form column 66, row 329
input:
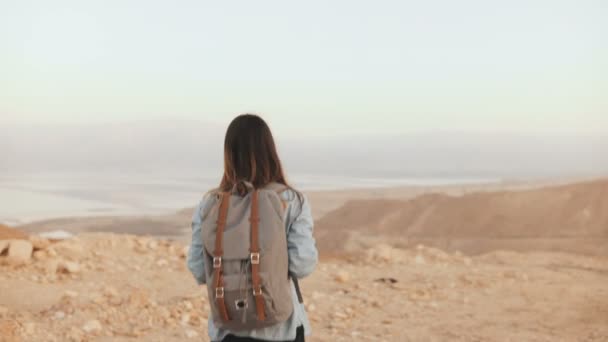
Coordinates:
column 245, row 243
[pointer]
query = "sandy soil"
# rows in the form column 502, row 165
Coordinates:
column 382, row 285
column 137, row 288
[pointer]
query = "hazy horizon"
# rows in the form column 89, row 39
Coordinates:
column 195, row 147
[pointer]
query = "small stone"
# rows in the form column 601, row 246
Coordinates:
column 39, row 242
column 185, row 251
column 185, row 319
column 70, row 250
column 75, row 335
column 342, row 277
column 191, row 333
column 59, row 315
column 20, row 251
column 419, row 260
column 4, row 245
column 51, row 266
column 71, row 294
column 340, row 315
column 139, row 298
column 68, row 267
column 39, row 255
column 153, row 244
column 92, row 326
column 317, row 295
column 29, row 328
column 162, row 263
column 109, row 291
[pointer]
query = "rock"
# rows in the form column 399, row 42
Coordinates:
column 68, row 267
column 340, row 315
column 20, row 251
column 139, row 298
column 191, row 333
column 39, row 255
column 71, row 294
column 342, row 277
column 70, row 249
column 92, row 326
column 51, row 266
column 185, row 320
column 4, row 246
column 153, row 245
column 162, row 263
column 185, row 251
column 29, row 328
column 58, row 315
column 110, row 291
column 75, row 335
column 39, row 242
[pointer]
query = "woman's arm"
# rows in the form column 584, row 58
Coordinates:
column 301, row 246
column 196, row 261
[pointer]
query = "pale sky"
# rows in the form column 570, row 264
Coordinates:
column 309, row 66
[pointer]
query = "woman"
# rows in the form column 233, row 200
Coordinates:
column 250, row 157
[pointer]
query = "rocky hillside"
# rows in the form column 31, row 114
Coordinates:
column 108, row 287
column 570, row 218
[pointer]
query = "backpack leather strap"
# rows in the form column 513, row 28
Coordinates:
column 255, row 257
column 218, row 254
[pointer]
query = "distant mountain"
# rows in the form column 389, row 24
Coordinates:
column 195, row 146
column 570, row 218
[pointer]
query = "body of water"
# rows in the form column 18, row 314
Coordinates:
column 26, row 198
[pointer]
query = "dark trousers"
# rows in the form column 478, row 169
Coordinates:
column 232, row 338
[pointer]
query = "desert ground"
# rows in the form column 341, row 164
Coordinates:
column 526, row 263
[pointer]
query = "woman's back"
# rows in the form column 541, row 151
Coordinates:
column 205, row 256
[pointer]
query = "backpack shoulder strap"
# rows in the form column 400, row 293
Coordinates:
column 217, row 256
column 255, row 257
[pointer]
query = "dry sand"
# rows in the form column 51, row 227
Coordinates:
column 127, row 288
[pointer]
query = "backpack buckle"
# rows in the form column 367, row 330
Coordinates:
column 217, row 262
column 255, row 258
column 258, row 291
column 219, row 292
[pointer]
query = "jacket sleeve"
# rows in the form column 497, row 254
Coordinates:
column 301, row 246
column 196, row 260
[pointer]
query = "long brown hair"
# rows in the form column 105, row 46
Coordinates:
column 250, row 154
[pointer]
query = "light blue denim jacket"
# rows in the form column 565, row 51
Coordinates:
column 303, row 258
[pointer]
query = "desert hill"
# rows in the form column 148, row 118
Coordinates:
column 570, row 218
